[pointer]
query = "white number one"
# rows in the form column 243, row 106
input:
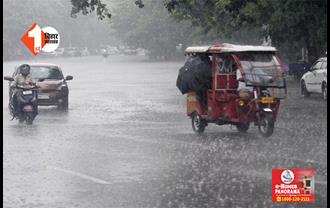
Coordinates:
column 36, row 35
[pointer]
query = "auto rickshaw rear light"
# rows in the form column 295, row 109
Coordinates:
column 241, row 103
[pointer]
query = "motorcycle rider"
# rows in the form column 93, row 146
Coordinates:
column 22, row 79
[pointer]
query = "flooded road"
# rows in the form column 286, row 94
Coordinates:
column 127, row 142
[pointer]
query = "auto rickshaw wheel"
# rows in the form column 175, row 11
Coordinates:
column 266, row 124
column 243, row 127
column 198, row 124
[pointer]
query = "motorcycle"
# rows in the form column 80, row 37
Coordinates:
column 27, row 104
column 105, row 54
column 26, row 99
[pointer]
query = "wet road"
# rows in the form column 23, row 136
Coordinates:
column 126, row 142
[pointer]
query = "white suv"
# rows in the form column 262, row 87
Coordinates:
column 315, row 80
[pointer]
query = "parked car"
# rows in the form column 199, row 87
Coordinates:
column 129, row 51
column 94, row 51
column 71, row 52
column 53, row 89
column 315, row 80
column 47, row 54
column 141, row 51
column 84, row 52
column 56, row 53
column 59, row 52
column 112, row 50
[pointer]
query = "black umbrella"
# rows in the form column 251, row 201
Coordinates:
column 195, row 75
column 183, row 80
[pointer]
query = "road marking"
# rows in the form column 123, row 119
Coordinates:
column 95, row 180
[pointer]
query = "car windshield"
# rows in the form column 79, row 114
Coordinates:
column 46, row 72
column 261, row 69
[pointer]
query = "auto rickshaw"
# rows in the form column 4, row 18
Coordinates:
column 258, row 68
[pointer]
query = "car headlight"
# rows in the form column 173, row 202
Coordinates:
column 61, row 86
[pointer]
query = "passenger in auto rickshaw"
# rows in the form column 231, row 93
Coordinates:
column 226, row 64
column 245, row 92
column 206, row 80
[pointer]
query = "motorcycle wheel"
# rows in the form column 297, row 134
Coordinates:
column 266, row 124
column 29, row 118
column 21, row 120
column 198, row 124
column 243, row 127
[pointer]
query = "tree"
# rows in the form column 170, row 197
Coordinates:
column 89, row 6
column 152, row 28
column 292, row 24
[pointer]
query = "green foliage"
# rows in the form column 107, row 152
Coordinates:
column 89, row 6
column 292, row 24
column 151, row 28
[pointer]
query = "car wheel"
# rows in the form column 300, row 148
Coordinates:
column 198, row 124
column 304, row 90
column 65, row 104
column 324, row 91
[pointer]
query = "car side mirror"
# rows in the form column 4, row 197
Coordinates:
column 69, row 77
column 8, row 78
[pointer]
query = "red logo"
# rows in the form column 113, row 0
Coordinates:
column 293, row 185
column 34, row 39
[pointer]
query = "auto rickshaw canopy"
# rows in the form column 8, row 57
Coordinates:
column 259, row 65
column 228, row 48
